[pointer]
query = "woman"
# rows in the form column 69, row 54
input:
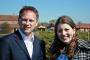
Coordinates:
column 67, row 45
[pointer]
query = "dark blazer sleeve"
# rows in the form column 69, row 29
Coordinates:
column 12, row 47
column 4, row 50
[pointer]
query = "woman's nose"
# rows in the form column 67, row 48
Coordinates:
column 63, row 32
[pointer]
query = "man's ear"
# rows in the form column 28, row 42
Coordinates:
column 36, row 23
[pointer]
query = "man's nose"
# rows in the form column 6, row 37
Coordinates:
column 27, row 22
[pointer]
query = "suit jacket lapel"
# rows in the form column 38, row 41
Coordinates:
column 21, row 43
column 37, row 52
column 35, row 48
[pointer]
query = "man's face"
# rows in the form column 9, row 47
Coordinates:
column 28, row 21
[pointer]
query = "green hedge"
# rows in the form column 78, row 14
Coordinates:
column 49, row 36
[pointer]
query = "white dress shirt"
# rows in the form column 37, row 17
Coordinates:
column 28, row 42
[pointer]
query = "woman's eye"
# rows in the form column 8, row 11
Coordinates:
column 66, row 29
column 59, row 30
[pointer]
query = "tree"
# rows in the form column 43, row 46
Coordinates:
column 4, row 28
column 52, row 21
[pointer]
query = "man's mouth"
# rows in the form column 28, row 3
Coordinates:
column 27, row 28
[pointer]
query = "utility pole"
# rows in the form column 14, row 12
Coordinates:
column 88, row 34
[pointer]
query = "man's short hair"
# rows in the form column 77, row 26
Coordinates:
column 31, row 8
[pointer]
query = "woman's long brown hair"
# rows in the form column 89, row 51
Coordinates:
column 57, row 44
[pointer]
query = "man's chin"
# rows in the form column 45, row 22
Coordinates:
column 27, row 32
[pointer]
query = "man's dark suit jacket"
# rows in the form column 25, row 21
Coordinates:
column 12, row 47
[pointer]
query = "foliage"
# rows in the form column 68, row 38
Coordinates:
column 4, row 28
column 49, row 36
column 84, row 35
column 52, row 21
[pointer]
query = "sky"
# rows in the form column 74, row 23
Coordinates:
column 78, row 10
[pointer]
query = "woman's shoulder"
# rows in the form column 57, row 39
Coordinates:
column 84, row 44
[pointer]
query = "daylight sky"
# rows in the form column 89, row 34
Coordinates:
column 78, row 10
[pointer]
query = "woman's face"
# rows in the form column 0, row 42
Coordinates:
column 65, row 33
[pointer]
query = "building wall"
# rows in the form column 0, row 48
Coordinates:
column 9, row 22
column 84, row 30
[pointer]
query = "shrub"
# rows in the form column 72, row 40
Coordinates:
column 48, row 37
column 4, row 28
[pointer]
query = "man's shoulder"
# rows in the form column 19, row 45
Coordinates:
column 7, row 37
column 39, row 39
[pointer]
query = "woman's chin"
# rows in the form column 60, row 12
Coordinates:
column 66, row 41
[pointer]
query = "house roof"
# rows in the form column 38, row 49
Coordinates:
column 42, row 27
column 83, row 26
column 8, row 17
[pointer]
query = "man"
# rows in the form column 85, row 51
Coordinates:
column 23, row 44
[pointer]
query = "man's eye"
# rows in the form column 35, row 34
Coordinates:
column 24, row 19
column 30, row 20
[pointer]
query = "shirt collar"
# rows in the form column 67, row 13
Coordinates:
column 26, row 37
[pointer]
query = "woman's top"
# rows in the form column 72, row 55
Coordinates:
column 82, row 51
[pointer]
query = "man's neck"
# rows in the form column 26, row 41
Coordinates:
column 26, row 34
